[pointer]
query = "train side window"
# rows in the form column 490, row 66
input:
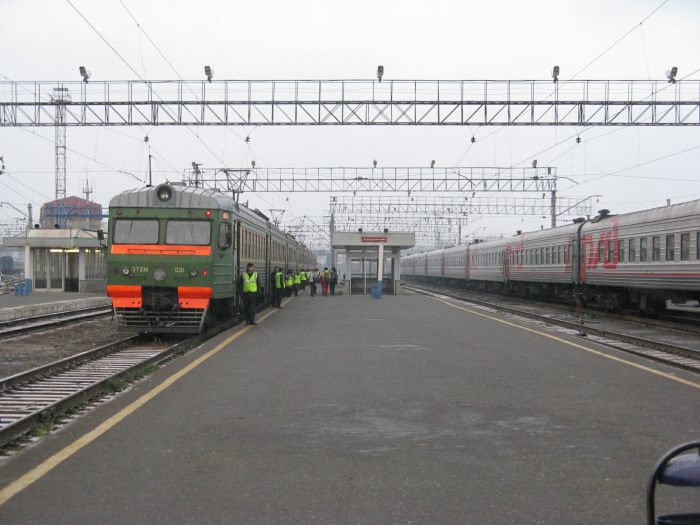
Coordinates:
column 670, row 247
column 620, row 251
column 611, row 250
column 697, row 246
column 225, row 236
column 685, row 246
column 601, row 250
column 643, row 249
column 656, row 248
column 632, row 257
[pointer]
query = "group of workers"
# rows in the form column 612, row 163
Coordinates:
column 283, row 284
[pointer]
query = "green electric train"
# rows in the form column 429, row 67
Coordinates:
column 175, row 253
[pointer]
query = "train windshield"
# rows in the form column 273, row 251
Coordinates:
column 140, row 231
column 196, row 233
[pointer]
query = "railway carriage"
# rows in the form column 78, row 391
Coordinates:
column 636, row 260
column 175, row 254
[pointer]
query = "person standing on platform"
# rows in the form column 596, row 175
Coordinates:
column 303, row 277
column 313, row 280
column 278, row 284
column 248, row 286
column 334, row 279
column 325, row 281
column 289, row 283
column 297, row 283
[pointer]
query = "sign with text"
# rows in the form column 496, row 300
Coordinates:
column 374, row 238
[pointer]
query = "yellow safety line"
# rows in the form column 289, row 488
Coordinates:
column 59, row 457
column 575, row 345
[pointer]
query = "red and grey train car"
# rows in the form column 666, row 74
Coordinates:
column 635, row 260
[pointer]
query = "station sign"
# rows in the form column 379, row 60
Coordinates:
column 374, row 238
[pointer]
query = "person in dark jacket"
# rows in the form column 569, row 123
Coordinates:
column 334, row 280
column 248, row 287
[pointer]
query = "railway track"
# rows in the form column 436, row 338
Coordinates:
column 41, row 394
column 39, row 322
column 672, row 346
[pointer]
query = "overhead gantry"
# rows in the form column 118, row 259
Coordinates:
column 353, row 102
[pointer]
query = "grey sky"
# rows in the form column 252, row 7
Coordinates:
column 47, row 39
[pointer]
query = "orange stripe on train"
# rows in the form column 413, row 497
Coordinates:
column 160, row 249
column 194, row 296
column 125, row 295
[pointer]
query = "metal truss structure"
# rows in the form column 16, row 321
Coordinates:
column 459, row 206
column 13, row 228
column 386, row 179
column 311, row 231
column 356, row 102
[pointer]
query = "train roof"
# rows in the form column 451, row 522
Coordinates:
column 182, row 197
column 674, row 211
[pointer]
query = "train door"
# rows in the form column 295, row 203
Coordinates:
column 237, row 255
column 506, row 255
column 268, row 265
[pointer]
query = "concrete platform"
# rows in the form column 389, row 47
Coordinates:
column 23, row 307
column 352, row 410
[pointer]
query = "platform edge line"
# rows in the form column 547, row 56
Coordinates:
column 575, row 345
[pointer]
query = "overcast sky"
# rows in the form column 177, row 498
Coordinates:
column 48, row 40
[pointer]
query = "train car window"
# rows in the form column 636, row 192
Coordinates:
column 670, row 248
column 685, row 246
column 541, row 255
column 141, row 231
column 601, row 251
column 611, row 250
column 656, row 248
column 620, row 251
column 632, row 250
column 196, row 233
column 225, row 235
column 643, row 249
column 697, row 246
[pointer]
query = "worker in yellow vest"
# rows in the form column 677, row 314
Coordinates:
column 248, row 286
column 297, row 283
column 302, row 277
column 289, row 283
column 278, row 286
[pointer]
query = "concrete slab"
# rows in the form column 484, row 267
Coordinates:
column 23, row 307
column 353, row 410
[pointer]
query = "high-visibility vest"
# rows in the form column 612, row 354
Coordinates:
column 250, row 283
column 302, row 276
column 278, row 280
column 297, row 279
column 290, row 280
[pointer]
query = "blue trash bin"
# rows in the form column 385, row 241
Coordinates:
column 18, row 289
column 376, row 292
column 27, row 287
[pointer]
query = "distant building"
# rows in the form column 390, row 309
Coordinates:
column 71, row 213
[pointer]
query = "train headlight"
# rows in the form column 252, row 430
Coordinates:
column 164, row 193
column 159, row 275
column 125, row 271
column 193, row 273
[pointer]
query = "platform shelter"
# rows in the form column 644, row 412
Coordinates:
column 371, row 257
column 62, row 260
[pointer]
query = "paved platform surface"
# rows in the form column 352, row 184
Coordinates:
column 354, row 410
column 20, row 307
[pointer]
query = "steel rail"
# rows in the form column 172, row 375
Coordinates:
column 26, row 324
column 50, row 390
